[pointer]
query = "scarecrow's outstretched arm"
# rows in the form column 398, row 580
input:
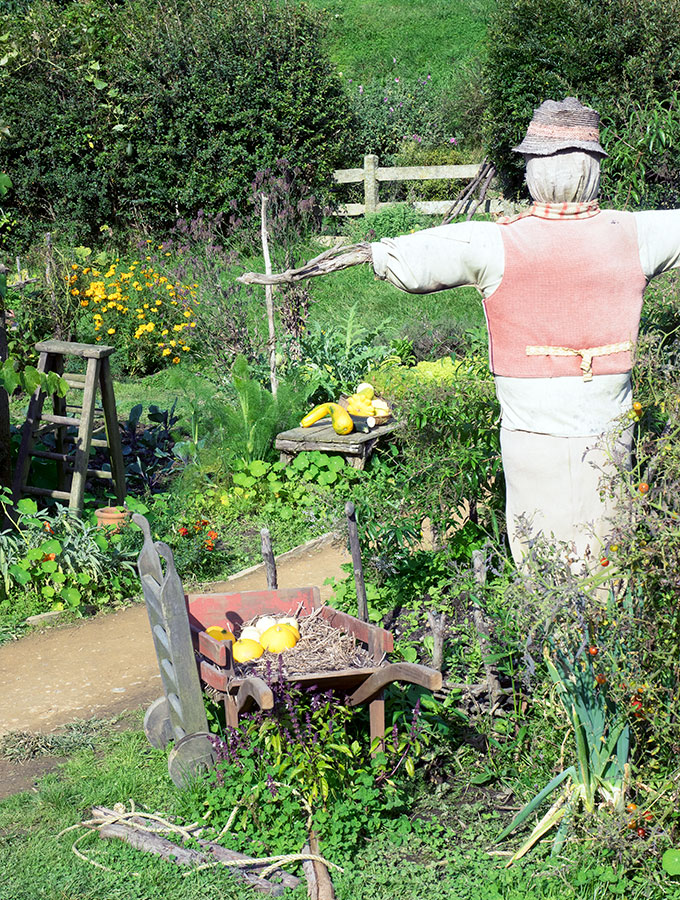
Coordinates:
column 333, row 260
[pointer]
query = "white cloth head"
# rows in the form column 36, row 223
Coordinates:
column 570, row 176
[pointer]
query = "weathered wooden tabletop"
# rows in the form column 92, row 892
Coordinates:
column 355, row 447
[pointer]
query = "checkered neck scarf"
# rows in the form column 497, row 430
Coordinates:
column 556, row 211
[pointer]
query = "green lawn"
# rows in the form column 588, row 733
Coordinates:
column 424, row 36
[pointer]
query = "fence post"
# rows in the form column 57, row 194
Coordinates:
column 371, row 183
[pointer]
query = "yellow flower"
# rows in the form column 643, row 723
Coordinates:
column 173, row 343
column 84, row 302
column 111, row 331
column 150, row 326
column 187, row 313
column 165, row 331
column 175, row 359
column 192, row 324
column 166, row 352
column 75, row 292
column 74, row 266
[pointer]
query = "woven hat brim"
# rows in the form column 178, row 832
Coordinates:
column 543, row 148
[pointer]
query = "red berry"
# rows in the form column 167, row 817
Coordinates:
column 643, row 487
column 600, row 679
column 593, row 651
column 604, row 561
column 641, row 832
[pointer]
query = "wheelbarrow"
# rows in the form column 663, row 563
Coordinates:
column 190, row 660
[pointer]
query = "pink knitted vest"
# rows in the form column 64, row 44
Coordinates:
column 574, row 284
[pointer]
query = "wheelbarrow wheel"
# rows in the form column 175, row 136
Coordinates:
column 190, row 755
column 157, row 725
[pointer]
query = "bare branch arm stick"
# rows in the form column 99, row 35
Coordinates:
column 333, row 260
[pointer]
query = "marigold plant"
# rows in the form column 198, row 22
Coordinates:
column 140, row 312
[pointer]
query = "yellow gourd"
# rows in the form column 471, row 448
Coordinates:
column 245, row 650
column 365, row 390
column 340, row 418
column 290, row 621
column 278, row 638
column 220, row 634
column 319, row 412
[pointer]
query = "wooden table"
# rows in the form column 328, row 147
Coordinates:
column 356, row 447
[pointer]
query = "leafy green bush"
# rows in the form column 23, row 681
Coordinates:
column 53, row 562
column 616, row 56
column 399, row 109
column 113, row 121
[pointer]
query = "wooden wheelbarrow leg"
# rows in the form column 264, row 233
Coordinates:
column 371, row 691
column 253, row 691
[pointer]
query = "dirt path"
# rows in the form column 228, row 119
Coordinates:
column 106, row 665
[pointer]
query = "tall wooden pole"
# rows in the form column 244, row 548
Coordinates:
column 269, row 296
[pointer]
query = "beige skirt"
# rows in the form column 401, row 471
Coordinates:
column 560, row 487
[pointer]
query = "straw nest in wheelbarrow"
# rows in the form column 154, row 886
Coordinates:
column 321, row 648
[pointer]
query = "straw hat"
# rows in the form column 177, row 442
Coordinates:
column 562, row 125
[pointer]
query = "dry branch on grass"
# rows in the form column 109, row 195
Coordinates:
column 144, row 831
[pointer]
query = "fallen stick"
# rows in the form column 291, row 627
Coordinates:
column 222, row 854
column 160, row 846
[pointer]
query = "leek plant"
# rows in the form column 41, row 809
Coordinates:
column 599, row 776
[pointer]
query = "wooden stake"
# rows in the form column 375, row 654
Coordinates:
column 484, row 631
column 269, row 297
column 355, row 549
column 269, row 561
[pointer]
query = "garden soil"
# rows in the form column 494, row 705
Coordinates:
column 106, row 665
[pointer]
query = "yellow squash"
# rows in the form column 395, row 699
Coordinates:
column 245, row 650
column 319, row 412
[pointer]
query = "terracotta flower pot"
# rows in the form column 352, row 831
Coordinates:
column 115, row 517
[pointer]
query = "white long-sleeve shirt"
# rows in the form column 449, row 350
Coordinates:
column 472, row 253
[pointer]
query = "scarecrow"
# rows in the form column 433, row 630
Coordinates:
column 562, row 287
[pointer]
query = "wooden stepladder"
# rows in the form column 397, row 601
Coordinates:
column 72, row 465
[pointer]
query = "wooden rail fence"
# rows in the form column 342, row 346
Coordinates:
column 372, row 174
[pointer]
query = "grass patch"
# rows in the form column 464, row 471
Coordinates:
column 424, row 36
column 445, row 857
column 387, row 311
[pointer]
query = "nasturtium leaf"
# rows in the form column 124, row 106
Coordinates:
column 27, row 506
column 19, row 574
column 70, row 595
column 670, row 862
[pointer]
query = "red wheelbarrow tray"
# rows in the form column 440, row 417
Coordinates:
column 361, row 685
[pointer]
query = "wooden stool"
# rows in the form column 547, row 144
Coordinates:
column 356, row 447
column 97, row 374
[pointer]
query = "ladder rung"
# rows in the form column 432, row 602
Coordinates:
column 75, row 376
column 46, row 492
column 78, row 385
column 61, row 420
column 100, row 473
column 95, row 442
column 46, row 454
column 97, row 409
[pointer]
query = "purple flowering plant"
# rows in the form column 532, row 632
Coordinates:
column 307, row 763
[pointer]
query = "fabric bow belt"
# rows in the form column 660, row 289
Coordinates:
column 586, row 354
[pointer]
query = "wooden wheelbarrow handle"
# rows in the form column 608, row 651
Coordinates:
column 408, row 672
column 254, row 690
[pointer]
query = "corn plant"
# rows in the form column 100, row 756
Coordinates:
column 602, row 744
